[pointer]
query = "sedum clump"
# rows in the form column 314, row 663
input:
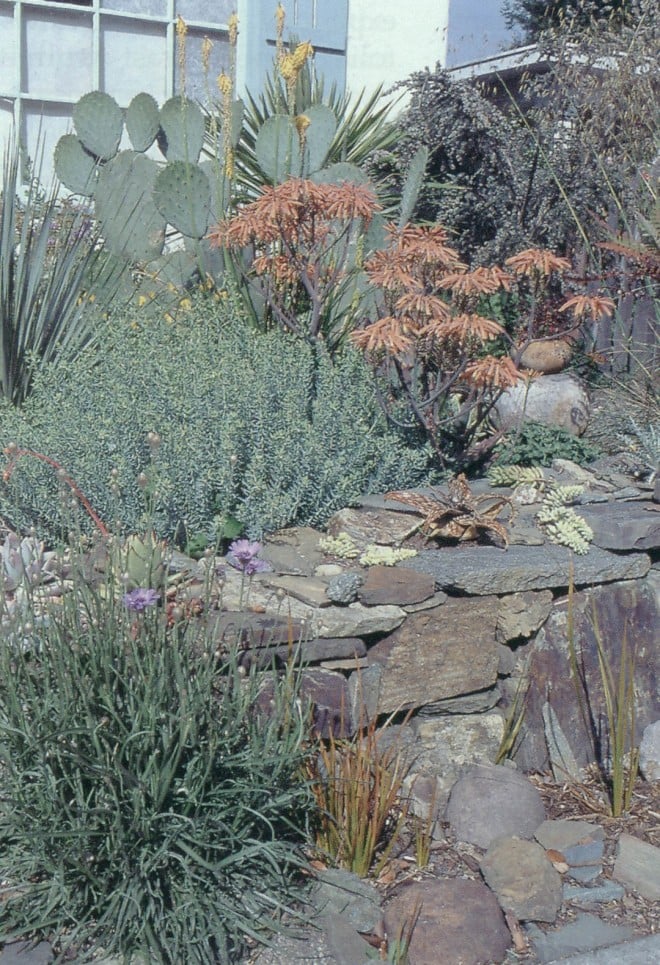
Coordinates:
column 341, row 545
column 376, row 555
column 560, row 521
column 262, row 427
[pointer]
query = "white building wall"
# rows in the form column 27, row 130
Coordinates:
column 390, row 39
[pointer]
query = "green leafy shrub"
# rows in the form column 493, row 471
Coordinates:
column 263, row 427
column 536, row 444
column 147, row 808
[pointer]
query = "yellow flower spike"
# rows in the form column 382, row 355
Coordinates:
column 142, row 300
column 286, row 66
column 171, row 287
column 207, row 47
column 224, row 84
column 301, row 55
column 302, row 122
column 168, row 318
column 280, row 17
column 233, row 29
column 185, row 304
column 181, row 31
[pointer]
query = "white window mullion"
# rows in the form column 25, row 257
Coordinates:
column 96, row 45
column 171, row 49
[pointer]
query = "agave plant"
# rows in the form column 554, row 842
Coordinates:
column 42, row 279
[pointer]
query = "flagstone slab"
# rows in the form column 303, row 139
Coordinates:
column 481, row 570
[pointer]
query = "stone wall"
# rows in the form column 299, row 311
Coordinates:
column 452, row 635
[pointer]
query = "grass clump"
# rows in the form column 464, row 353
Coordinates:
column 146, row 806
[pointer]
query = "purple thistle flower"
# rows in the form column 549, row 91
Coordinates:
column 244, row 555
column 139, row 599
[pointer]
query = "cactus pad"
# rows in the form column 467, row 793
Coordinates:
column 181, row 130
column 99, row 122
column 318, row 137
column 182, row 194
column 277, row 147
column 142, row 121
column 76, row 169
column 130, row 222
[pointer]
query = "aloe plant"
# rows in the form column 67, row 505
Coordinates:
column 42, row 279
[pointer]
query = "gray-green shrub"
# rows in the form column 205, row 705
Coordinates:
column 262, row 426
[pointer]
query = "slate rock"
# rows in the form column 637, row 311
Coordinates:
column 435, row 654
column 307, row 652
column 597, row 894
column 459, row 921
column 341, row 892
column 356, row 620
column 624, row 526
column 521, row 614
column 637, row 865
column 649, row 752
column 585, row 934
column 26, row 953
column 390, row 584
column 482, row 570
column 638, row 951
column 343, row 588
column 630, row 609
column 560, row 835
column 254, row 630
column 308, row 589
column 445, row 746
column 294, row 551
column 523, row 879
column 493, row 802
column 344, row 942
column 382, row 526
column 328, row 695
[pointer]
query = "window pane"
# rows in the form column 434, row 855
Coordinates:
column 57, row 48
column 43, row 125
column 7, row 51
column 217, row 12
column 133, row 59
column 157, row 8
column 197, row 84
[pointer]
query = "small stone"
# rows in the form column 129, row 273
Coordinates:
column 521, row 614
column 343, row 588
column 523, row 879
column 608, row 891
column 325, row 570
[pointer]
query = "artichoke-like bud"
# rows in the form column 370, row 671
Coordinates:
column 143, row 561
column 23, row 561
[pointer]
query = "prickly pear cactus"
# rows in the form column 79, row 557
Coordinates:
column 76, row 168
column 142, row 121
column 99, row 123
column 181, row 134
column 319, row 126
column 412, row 185
column 277, row 148
column 182, row 194
column 130, row 222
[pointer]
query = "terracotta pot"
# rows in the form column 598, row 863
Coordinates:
column 547, row 357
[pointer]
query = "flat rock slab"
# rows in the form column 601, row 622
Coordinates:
column 637, row 865
column 383, row 526
column 459, row 921
column 390, row 584
column 295, row 551
column 585, row 934
column 435, row 654
column 521, row 614
column 523, row 879
column 640, row 951
column 624, row 526
column 481, row 570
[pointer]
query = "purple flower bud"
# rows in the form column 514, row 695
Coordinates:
column 139, row 599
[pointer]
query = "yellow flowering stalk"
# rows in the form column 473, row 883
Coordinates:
column 181, row 32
